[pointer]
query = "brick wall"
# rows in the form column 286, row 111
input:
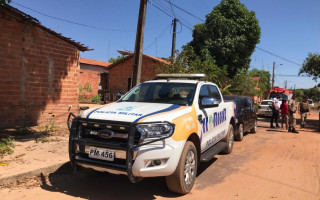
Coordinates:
column 91, row 74
column 92, row 77
column 119, row 74
column 39, row 74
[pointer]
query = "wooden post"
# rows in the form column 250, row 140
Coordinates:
column 136, row 75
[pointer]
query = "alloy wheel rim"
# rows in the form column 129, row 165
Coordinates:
column 231, row 138
column 189, row 167
column 241, row 131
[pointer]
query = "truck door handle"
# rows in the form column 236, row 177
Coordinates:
column 200, row 118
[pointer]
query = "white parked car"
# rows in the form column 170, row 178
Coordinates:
column 163, row 127
column 264, row 108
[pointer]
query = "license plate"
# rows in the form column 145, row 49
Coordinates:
column 102, row 154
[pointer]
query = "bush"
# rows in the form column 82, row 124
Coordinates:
column 6, row 145
column 96, row 99
column 51, row 127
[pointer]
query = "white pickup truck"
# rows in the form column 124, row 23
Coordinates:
column 163, row 127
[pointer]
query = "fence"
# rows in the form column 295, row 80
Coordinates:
column 110, row 95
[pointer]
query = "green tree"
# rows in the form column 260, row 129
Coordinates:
column 229, row 36
column 2, row 2
column 311, row 66
column 265, row 84
column 113, row 60
column 243, row 84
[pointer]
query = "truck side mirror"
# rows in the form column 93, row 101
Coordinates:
column 208, row 102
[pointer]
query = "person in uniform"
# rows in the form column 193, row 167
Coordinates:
column 304, row 111
column 292, row 115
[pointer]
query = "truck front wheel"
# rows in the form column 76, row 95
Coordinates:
column 182, row 180
column 229, row 140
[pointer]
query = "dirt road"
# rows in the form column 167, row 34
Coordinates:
column 271, row 164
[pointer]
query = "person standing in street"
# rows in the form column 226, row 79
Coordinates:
column 275, row 111
column 292, row 107
column 304, row 111
column 284, row 113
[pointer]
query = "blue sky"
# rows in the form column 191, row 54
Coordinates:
column 290, row 29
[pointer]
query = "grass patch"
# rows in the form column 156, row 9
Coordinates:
column 45, row 139
column 42, row 139
column 22, row 131
column 6, row 145
column 51, row 127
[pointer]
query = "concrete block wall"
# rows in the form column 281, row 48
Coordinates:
column 39, row 75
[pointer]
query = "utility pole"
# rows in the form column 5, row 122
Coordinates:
column 173, row 50
column 274, row 64
column 285, row 84
column 136, row 74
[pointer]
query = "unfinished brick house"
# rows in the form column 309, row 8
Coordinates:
column 120, row 72
column 39, row 71
column 95, row 73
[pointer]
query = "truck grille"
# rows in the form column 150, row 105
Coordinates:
column 110, row 132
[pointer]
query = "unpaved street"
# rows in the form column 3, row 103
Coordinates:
column 271, row 164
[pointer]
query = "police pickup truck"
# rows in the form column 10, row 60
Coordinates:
column 164, row 127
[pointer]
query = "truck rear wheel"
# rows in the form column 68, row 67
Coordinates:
column 239, row 136
column 254, row 129
column 229, row 140
column 182, row 180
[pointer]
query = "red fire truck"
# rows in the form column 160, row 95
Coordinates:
column 283, row 92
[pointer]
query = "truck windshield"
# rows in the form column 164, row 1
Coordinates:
column 159, row 92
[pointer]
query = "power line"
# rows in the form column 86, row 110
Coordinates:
column 172, row 4
column 278, row 56
column 71, row 22
column 160, row 9
column 157, row 37
column 172, row 9
column 168, row 14
column 169, row 9
column 282, row 58
column 291, row 75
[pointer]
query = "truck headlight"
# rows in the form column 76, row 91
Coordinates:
column 155, row 130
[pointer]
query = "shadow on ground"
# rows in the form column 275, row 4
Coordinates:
column 312, row 125
column 24, row 134
column 91, row 184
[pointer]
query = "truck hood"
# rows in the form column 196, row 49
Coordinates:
column 136, row 112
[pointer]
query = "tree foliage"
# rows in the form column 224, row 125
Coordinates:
column 2, row 2
column 265, row 83
column 311, row 66
column 228, row 36
column 244, row 84
column 188, row 62
column 113, row 60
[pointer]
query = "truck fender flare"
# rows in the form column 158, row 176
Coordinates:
column 196, row 141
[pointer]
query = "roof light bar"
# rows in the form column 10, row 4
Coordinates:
column 180, row 76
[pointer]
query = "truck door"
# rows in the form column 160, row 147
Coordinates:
column 210, row 119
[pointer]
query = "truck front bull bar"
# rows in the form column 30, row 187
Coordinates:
column 73, row 126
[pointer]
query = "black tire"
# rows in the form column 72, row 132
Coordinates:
column 229, row 140
column 181, row 181
column 254, row 129
column 239, row 136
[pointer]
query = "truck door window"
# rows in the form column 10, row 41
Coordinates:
column 204, row 92
column 215, row 93
column 249, row 103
